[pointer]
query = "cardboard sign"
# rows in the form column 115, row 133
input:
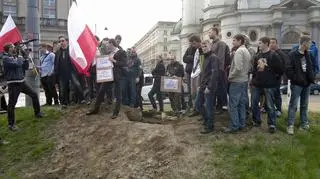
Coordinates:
column 171, row 84
column 104, row 69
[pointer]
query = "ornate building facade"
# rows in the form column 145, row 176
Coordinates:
column 53, row 16
column 282, row 19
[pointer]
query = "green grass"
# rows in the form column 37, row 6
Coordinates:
column 264, row 156
column 28, row 145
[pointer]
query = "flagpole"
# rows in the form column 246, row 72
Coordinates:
column 33, row 32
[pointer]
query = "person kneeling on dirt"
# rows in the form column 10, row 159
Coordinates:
column 208, row 86
column 175, row 69
column 14, row 72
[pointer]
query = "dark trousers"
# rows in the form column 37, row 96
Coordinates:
column 49, row 89
column 65, row 84
column 129, row 93
column 190, row 103
column 92, row 87
column 156, row 90
column 222, row 97
column 278, row 99
column 139, row 98
column 101, row 93
column 4, row 105
column 118, row 86
column 109, row 92
column 14, row 90
column 175, row 100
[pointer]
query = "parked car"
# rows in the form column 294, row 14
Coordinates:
column 314, row 89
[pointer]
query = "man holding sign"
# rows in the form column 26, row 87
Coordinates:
column 116, row 60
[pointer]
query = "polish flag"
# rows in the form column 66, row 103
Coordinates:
column 82, row 42
column 9, row 33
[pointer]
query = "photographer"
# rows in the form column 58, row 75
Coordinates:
column 14, row 73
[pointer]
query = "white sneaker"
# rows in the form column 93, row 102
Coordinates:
column 290, row 130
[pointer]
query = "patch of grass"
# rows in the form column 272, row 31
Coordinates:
column 263, row 155
column 28, row 145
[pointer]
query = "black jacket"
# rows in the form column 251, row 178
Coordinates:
column 210, row 73
column 14, row 68
column 175, row 69
column 188, row 58
column 63, row 67
column 159, row 71
column 120, row 67
column 267, row 78
column 294, row 69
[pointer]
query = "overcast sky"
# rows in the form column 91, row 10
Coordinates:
column 129, row 18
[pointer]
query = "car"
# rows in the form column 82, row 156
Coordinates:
column 314, row 89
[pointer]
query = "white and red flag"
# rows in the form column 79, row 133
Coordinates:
column 9, row 33
column 82, row 42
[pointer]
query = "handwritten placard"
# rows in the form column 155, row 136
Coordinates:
column 104, row 69
column 171, row 84
column 104, row 62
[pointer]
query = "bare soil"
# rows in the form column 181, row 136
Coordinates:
column 100, row 147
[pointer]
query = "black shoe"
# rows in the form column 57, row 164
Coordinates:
column 114, row 116
column 256, row 124
column 218, row 112
column 194, row 114
column 206, row 131
column 39, row 115
column 92, row 112
column 14, row 128
column 229, row 131
column 272, row 129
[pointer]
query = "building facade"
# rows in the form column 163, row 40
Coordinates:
column 282, row 19
column 155, row 44
column 53, row 16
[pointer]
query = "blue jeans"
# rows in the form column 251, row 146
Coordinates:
column 278, row 99
column 208, row 113
column 238, row 100
column 296, row 93
column 199, row 101
column 270, row 107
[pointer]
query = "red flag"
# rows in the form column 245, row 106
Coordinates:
column 9, row 33
column 82, row 42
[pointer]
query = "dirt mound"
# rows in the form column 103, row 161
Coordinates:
column 100, row 147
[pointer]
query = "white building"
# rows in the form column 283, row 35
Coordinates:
column 155, row 44
column 282, row 19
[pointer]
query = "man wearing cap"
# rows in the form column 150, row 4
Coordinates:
column 47, row 74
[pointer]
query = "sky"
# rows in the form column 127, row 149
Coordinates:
column 132, row 19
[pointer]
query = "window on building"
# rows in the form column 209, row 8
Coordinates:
column 165, row 48
column 49, row 9
column 10, row 7
column 165, row 32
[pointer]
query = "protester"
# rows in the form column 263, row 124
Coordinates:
column 221, row 49
column 67, row 74
column 14, row 73
column 283, row 57
column 129, row 93
column 238, row 78
column 139, row 85
column 175, row 69
column 188, row 59
column 118, row 39
column 119, row 59
column 209, row 85
column 300, row 71
column 159, row 71
column 267, row 66
column 47, row 74
column 192, row 60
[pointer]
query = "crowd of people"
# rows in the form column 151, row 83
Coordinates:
column 218, row 79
